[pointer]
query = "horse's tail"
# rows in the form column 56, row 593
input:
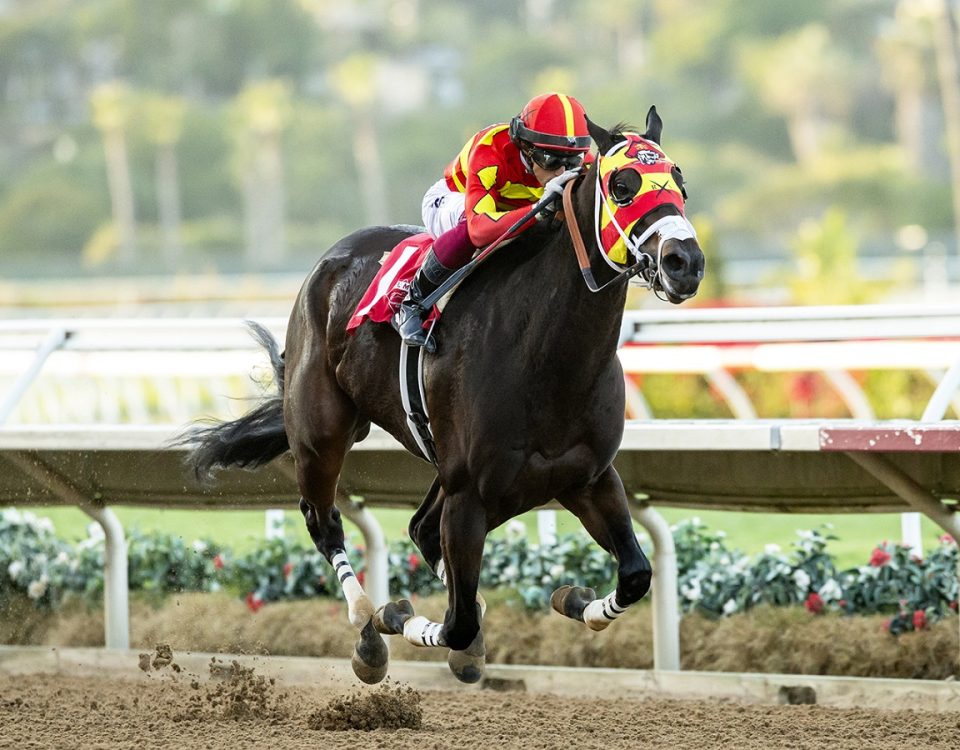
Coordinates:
column 253, row 439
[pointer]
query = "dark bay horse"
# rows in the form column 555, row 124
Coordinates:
column 525, row 393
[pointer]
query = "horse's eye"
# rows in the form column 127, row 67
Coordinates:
column 678, row 178
column 624, row 187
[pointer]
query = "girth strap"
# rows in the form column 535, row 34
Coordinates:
column 414, row 400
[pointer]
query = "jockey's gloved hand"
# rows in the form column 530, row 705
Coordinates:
column 552, row 192
column 555, row 186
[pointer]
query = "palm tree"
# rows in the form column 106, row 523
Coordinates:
column 355, row 81
column 261, row 112
column 164, row 117
column 110, row 103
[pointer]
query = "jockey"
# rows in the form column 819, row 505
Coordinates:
column 498, row 175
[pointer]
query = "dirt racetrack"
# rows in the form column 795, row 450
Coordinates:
column 171, row 709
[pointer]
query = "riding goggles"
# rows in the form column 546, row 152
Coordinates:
column 552, row 161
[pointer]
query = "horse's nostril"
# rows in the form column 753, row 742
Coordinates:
column 674, row 263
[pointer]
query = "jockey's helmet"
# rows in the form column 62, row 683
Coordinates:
column 554, row 122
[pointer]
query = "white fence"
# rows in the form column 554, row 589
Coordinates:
column 108, row 371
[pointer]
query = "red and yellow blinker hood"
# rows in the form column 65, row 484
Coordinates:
column 657, row 188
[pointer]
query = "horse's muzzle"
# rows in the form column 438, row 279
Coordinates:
column 681, row 269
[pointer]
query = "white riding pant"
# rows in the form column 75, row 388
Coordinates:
column 442, row 208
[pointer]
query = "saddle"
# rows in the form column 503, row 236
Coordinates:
column 389, row 287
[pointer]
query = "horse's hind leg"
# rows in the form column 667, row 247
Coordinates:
column 602, row 509
column 322, row 424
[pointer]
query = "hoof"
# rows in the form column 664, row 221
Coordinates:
column 468, row 665
column 389, row 619
column 360, row 611
column 570, row 601
column 370, row 656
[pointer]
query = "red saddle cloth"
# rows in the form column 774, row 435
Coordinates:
column 389, row 287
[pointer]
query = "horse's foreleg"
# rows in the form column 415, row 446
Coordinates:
column 424, row 531
column 602, row 509
column 462, row 530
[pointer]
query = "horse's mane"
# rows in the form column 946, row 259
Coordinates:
column 620, row 130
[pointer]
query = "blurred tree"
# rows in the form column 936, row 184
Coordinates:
column 901, row 48
column 164, row 118
column 354, row 81
column 803, row 76
column 111, row 103
column 826, row 257
column 261, row 112
column 944, row 22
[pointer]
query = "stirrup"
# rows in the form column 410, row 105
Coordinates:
column 411, row 328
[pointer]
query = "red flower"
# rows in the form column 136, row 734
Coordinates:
column 413, row 562
column 361, row 577
column 919, row 619
column 886, row 624
column 218, row 562
column 814, row 603
column 842, row 603
column 287, row 569
column 953, row 606
column 947, row 539
column 803, row 388
column 879, row 558
column 254, row 602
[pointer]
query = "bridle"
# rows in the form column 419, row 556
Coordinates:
column 647, row 271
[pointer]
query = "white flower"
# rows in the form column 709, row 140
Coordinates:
column 515, row 530
column 730, row 607
column 37, row 588
column 772, row 549
column 546, row 580
column 95, row 530
column 63, row 558
column 199, row 546
column 691, row 590
column 510, row 573
column 805, row 534
column 12, row 516
column 556, row 571
column 801, row 578
column 44, row 524
column 714, row 546
column 14, row 570
column 831, row 591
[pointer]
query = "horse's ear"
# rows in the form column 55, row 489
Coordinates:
column 601, row 136
column 654, row 126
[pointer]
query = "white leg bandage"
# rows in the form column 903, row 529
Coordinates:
column 420, row 631
column 359, row 606
column 601, row 612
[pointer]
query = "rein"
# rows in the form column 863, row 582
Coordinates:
column 642, row 266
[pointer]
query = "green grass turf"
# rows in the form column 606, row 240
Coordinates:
column 749, row 532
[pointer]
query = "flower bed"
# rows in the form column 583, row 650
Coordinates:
column 714, row 580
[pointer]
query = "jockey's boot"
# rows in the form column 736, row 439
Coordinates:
column 409, row 319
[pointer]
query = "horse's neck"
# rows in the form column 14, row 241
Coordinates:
column 571, row 325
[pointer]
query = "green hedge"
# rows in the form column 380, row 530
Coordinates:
column 714, row 579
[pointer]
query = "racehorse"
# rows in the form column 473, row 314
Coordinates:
column 525, row 393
